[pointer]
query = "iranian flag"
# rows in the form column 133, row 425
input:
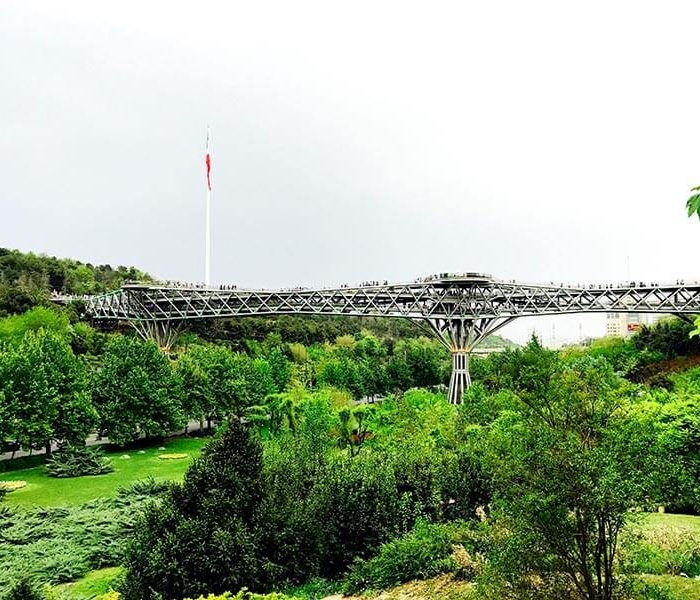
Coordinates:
column 208, row 162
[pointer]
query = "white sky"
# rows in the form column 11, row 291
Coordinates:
column 541, row 141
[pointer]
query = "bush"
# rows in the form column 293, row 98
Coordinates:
column 24, row 589
column 427, row 551
column 357, row 508
column 307, row 511
column 145, row 487
column 635, row 588
column 668, row 550
column 319, row 513
column 76, row 461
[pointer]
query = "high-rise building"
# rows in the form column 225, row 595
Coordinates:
column 625, row 324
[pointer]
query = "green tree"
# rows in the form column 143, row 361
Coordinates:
column 353, row 429
column 205, row 535
column 209, row 379
column 338, row 369
column 418, row 362
column 371, row 355
column 76, row 416
column 666, row 429
column 136, row 391
column 669, row 338
column 45, row 395
column 283, row 411
column 274, row 352
column 219, row 383
column 81, row 280
column 564, row 480
column 27, row 279
column 27, row 395
column 13, row 328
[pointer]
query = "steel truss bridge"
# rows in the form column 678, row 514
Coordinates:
column 460, row 310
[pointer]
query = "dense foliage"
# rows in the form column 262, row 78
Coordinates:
column 428, row 550
column 557, row 457
column 205, row 536
column 44, row 393
column 308, row 508
column 136, row 391
column 28, row 280
column 564, row 475
column 311, row 330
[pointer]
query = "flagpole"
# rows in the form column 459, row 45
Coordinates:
column 207, row 231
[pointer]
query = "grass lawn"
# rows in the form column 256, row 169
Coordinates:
column 94, row 584
column 665, row 520
column 681, row 587
column 42, row 490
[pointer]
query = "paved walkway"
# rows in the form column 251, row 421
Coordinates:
column 92, row 441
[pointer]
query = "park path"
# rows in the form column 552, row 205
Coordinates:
column 91, row 441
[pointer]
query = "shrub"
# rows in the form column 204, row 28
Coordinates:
column 24, row 589
column 76, row 461
column 145, row 487
column 427, row 551
column 635, row 588
column 659, row 551
column 357, row 509
column 321, row 511
column 55, row 545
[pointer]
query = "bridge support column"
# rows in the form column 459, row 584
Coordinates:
column 163, row 333
column 460, row 336
column 460, row 380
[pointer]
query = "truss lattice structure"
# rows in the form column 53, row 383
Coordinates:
column 461, row 310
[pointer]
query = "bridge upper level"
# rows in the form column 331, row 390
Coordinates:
column 448, row 297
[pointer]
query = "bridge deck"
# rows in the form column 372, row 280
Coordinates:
column 444, row 298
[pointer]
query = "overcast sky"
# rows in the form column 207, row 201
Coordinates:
column 540, row 141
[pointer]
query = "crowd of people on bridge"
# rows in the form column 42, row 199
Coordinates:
column 427, row 279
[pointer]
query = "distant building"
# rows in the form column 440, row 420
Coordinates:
column 625, row 324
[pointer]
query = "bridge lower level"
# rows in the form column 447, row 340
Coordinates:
column 460, row 310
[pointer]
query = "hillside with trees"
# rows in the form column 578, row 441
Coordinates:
column 28, row 280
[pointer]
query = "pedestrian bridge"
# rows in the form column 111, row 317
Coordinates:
column 461, row 310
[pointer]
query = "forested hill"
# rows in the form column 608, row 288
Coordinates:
column 28, row 279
